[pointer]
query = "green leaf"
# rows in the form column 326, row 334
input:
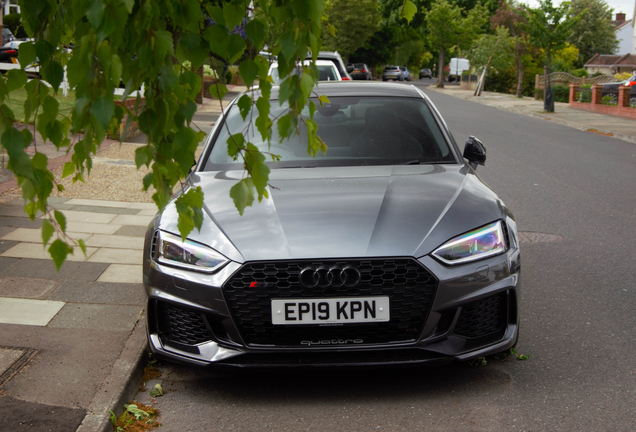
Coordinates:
column 95, row 12
column 235, row 49
column 245, row 105
column 16, row 79
column 82, row 246
column 189, row 207
column 323, row 100
column 249, row 71
column 59, row 250
column 408, row 10
column 233, row 15
column 40, row 161
column 69, row 169
column 306, row 84
column 103, row 110
column 47, row 231
column 217, row 14
column 26, row 54
column 60, row 219
column 235, row 143
column 218, row 40
column 285, row 128
column 256, row 32
column 51, row 107
column 218, row 90
column 242, row 193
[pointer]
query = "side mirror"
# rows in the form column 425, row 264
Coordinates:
column 475, row 152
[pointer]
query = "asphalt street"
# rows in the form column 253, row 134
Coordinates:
column 572, row 195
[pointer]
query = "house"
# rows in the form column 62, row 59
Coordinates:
column 610, row 64
column 624, row 34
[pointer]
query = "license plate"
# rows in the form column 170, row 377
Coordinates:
column 330, row 310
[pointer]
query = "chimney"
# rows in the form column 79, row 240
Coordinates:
column 620, row 18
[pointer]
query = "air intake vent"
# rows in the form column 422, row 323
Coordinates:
column 482, row 317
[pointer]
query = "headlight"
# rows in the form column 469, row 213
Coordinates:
column 189, row 255
column 472, row 246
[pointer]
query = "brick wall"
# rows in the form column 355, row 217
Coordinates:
column 622, row 110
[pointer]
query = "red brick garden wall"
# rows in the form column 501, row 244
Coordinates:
column 622, row 110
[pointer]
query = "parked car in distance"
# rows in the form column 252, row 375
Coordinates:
column 426, row 72
column 392, row 73
column 335, row 58
column 361, row 71
column 406, row 73
column 387, row 249
column 611, row 89
column 7, row 35
column 326, row 69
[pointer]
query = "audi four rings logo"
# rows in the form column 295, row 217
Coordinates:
column 323, row 277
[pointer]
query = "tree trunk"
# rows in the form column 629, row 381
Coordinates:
column 440, row 77
column 520, row 71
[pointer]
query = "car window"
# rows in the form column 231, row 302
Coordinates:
column 326, row 73
column 357, row 131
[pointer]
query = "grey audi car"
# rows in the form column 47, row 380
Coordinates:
column 386, row 250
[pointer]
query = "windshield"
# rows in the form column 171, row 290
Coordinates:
column 326, row 73
column 357, row 131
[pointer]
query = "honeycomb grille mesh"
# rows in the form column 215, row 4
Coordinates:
column 410, row 287
column 482, row 317
column 181, row 325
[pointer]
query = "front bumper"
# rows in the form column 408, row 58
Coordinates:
column 473, row 312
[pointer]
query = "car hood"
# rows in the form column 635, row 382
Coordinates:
column 351, row 212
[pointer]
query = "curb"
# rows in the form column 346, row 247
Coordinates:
column 574, row 125
column 120, row 385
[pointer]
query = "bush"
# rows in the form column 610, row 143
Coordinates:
column 585, row 94
column 228, row 76
column 14, row 23
column 561, row 93
column 579, row 73
column 622, row 76
column 609, row 99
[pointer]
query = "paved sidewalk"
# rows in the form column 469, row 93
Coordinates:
column 618, row 127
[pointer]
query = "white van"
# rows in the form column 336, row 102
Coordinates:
column 457, row 66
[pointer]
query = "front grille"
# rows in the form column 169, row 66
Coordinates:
column 410, row 287
column 181, row 325
column 482, row 317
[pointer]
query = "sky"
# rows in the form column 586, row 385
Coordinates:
column 625, row 6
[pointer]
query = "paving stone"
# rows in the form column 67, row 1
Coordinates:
column 6, row 263
column 152, row 212
column 14, row 211
column 117, row 256
column 92, row 228
column 109, row 210
column 81, row 216
column 45, row 269
column 132, row 231
column 28, row 312
column 35, row 236
column 98, row 203
column 133, row 220
column 100, row 292
column 122, row 273
column 143, row 206
column 27, row 288
column 19, row 222
column 34, row 250
column 6, row 245
column 115, row 241
column 97, row 316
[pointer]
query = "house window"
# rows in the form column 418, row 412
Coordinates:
column 11, row 6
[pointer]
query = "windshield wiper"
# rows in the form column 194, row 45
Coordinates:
column 411, row 162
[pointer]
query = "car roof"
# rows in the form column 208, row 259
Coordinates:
column 361, row 89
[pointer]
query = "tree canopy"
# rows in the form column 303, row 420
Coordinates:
column 594, row 32
column 355, row 22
